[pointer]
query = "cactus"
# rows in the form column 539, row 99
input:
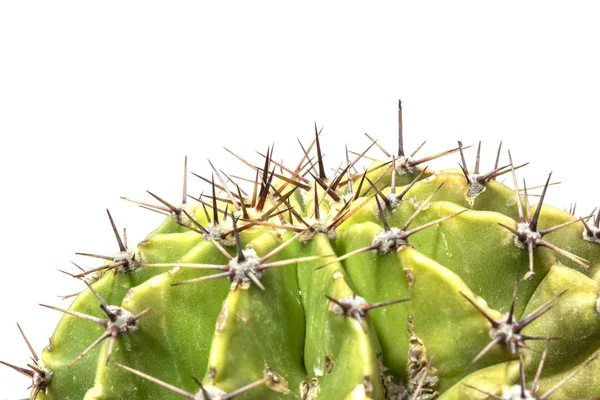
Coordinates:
column 398, row 282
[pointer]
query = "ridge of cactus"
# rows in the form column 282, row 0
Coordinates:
column 394, row 282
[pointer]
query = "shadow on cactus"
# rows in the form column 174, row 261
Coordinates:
column 381, row 280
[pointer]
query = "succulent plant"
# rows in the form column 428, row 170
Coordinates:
column 397, row 282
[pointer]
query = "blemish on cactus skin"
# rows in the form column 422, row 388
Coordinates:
column 510, row 201
column 130, row 293
column 50, row 346
column 419, row 368
column 222, row 318
column 368, row 386
column 275, row 382
column 410, row 277
column 309, row 390
column 328, row 363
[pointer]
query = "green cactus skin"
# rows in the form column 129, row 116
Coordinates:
column 393, row 285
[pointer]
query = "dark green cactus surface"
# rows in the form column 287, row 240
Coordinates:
column 398, row 282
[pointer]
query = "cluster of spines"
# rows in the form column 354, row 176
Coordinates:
column 521, row 391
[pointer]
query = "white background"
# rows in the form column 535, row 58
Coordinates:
column 103, row 99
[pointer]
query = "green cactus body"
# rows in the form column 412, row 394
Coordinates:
column 382, row 287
